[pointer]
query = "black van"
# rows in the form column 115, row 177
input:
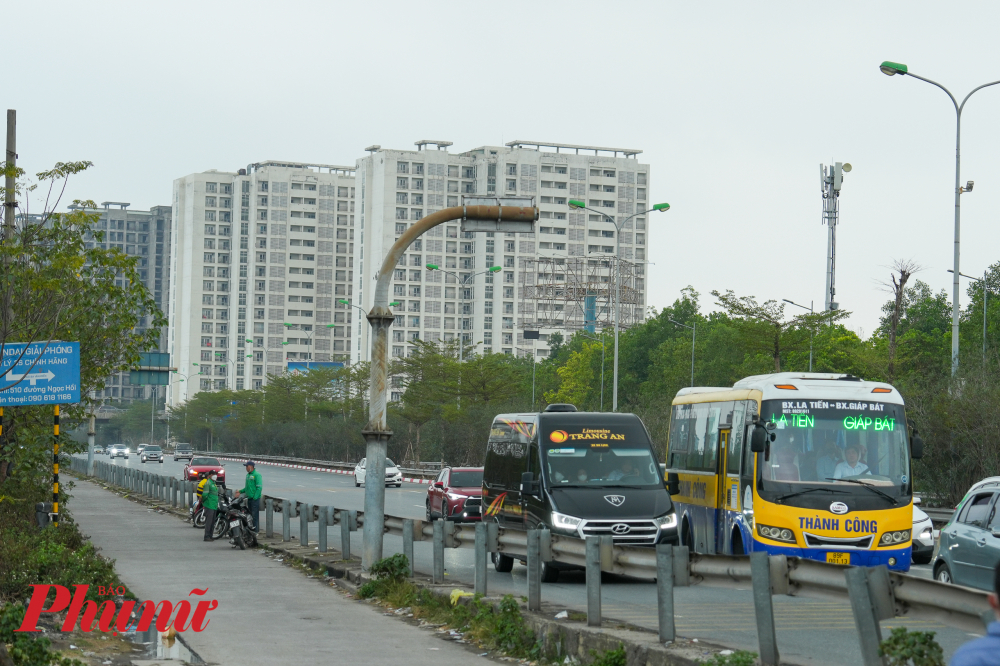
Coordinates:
column 579, row 473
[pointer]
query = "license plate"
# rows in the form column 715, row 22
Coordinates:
column 234, row 523
column 838, row 558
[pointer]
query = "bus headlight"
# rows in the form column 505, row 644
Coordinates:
column 776, row 533
column 890, row 538
column 563, row 522
column 666, row 521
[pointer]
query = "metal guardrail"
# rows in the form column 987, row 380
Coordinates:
column 875, row 593
column 306, row 462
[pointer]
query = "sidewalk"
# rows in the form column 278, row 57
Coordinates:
column 267, row 614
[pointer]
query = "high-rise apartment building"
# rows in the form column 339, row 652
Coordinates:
column 259, row 257
column 397, row 187
column 144, row 234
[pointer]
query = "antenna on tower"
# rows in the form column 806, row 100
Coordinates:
column 831, row 179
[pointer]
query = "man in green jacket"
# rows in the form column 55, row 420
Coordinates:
column 210, row 500
column 253, row 488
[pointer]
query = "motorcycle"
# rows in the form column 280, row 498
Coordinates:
column 220, row 527
column 242, row 531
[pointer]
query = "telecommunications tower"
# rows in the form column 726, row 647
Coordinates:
column 830, row 179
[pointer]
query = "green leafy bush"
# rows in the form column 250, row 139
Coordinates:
column 918, row 648
column 25, row 649
column 616, row 657
column 737, row 658
column 389, row 573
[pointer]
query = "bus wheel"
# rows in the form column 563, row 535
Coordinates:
column 688, row 537
column 738, row 543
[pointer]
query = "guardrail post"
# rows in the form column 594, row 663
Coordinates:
column 480, row 555
column 304, row 512
column 438, row 573
column 760, row 571
column 866, row 617
column 345, row 534
column 286, row 520
column 534, row 570
column 269, row 518
column 665, row 590
column 408, row 543
column 321, row 529
column 593, row 581
column 190, row 493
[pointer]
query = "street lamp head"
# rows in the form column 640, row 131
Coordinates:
column 576, row 203
column 394, row 304
column 287, row 324
column 494, row 269
column 344, row 301
column 968, row 185
column 329, row 325
column 662, row 207
column 892, row 68
column 284, row 343
column 194, row 364
column 432, row 267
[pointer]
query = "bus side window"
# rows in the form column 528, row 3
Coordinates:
column 736, row 440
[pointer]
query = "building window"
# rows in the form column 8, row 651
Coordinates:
column 210, row 216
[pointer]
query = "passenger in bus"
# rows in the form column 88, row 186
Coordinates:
column 626, row 470
column 784, row 467
column 852, row 466
column 581, row 475
column 826, row 466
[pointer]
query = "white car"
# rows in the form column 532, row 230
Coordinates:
column 923, row 536
column 392, row 474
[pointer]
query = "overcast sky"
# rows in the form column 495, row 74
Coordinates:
column 733, row 104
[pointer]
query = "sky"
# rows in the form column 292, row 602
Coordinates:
column 733, row 104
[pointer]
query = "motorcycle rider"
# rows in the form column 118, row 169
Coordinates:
column 210, row 499
column 253, row 488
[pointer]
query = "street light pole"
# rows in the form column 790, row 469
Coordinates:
column 462, row 282
column 694, row 331
column 581, row 205
column 891, row 69
column 810, row 308
column 532, row 352
column 985, row 295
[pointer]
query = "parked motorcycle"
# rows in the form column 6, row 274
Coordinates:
column 239, row 522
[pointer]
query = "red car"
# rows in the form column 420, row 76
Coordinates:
column 457, row 494
column 199, row 465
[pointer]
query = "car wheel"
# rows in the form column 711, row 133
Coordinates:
column 430, row 516
column 549, row 573
column 399, row 485
column 502, row 563
column 356, row 484
column 161, row 461
column 942, row 573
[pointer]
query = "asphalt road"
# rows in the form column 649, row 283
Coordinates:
column 809, row 631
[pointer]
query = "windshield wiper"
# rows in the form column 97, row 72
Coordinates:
column 809, row 490
column 573, row 485
column 869, row 487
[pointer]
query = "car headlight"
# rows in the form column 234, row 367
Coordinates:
column 456, row 496
column 926, row 533
column 665, row 521
column 890, row 538
column 776, row 533
column 562, row 521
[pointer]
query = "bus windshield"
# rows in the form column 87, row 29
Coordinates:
column 835, row 444
column 600, row 457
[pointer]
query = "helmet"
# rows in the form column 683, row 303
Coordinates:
column 202, row 475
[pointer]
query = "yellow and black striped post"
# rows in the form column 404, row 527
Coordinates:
column 55, row 470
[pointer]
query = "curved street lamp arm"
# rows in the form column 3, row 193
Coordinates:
column 958, row 109
column 985, row 85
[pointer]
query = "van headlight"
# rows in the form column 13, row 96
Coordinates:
column 563, row 522
column 666, row 521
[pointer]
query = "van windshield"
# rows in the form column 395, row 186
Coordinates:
column 599, row 457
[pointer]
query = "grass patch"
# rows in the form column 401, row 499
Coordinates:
column 737, row 658
column 492, row 627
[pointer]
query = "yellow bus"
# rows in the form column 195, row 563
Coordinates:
column 808, row 465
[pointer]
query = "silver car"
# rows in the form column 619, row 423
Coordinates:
column 151, row 453
column 116, row 450
column 969, row 546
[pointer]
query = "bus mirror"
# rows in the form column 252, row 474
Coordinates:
column 916, row 447
column 758, row 439
column 673, row 483
column 528, row 484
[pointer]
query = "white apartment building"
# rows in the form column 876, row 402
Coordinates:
column 397, row 187
column 258, row 258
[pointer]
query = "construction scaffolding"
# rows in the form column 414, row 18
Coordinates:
column 575, row 293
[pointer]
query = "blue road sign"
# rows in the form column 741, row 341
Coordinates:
column 39, row 374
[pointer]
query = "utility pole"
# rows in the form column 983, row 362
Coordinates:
column 9, row 208
column 830, row 180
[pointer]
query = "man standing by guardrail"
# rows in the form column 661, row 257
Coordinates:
column 986, row 650
column 253, row 488
column 210, row 499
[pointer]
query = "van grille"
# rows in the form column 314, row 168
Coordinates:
column 813, row 541
column 640, row 532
